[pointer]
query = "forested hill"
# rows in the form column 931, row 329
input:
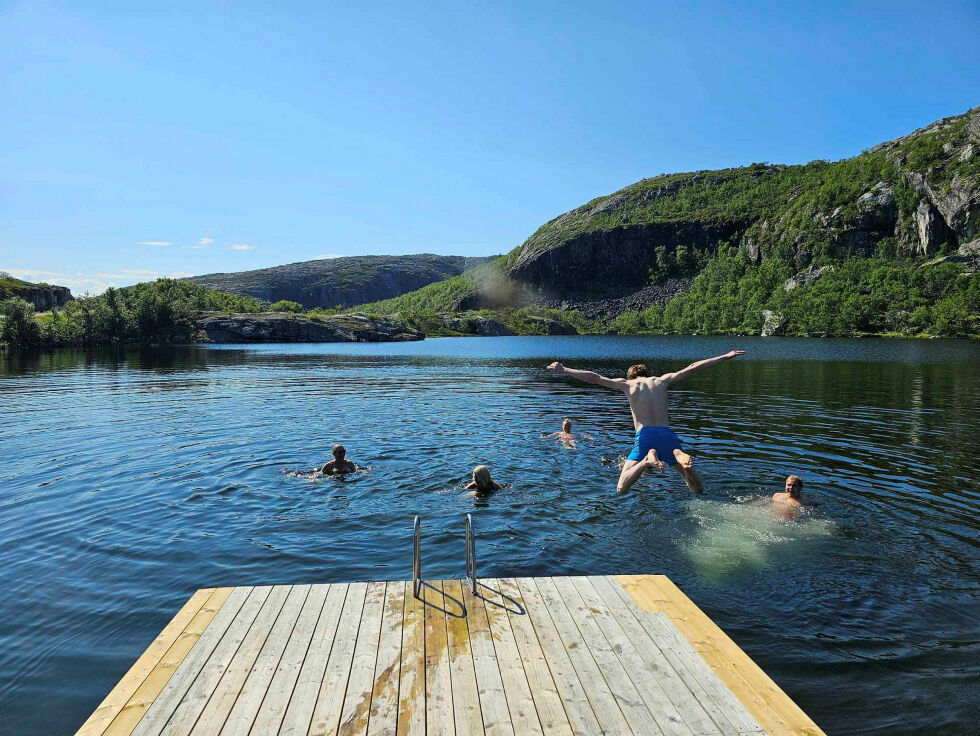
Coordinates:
column 887, row 241
column 340, row 282
column 918, row 195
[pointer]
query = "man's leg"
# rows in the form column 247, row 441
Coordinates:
column 633, row 469
column 685, row 466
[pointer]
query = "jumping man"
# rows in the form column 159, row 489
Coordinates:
column 655, row 441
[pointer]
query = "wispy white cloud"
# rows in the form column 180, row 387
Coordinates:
column 241, row 246
column 156, row 243
column 193, row 247
column 325, row 256
column 205, row 241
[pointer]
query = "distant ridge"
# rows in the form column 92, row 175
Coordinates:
column 341, row 282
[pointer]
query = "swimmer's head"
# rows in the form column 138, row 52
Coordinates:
column 339, row 451
column 566, row 426
column 794, row 485
column 637, row 371
column 481, row 476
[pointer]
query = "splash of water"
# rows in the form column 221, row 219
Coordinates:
column 737, row 537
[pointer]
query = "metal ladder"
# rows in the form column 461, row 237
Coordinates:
column 417, row 556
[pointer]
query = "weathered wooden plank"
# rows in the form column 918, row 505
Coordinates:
column 630, row 702
column 547, row 701
column 466, row 695
column 520, row 703
column 638, row 661
column 724, row 709
column 411, row 685
column 490, row 686
column 330, row 699
column 206, row 682
column 117, row 698
column 299, row 710
column 180, row 680
column 438, row 685
column 272, row 710
column 770, row 706
column 131, row 714
column 217, row 706
column 683, row 688
column 383, row 720
column 578, row 700
column 357, row 702
column 721, row 703
column 259, row 678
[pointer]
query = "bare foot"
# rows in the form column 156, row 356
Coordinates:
column 653, row 461
column 683, row 459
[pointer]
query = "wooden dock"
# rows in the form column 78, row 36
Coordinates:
column 563, row 655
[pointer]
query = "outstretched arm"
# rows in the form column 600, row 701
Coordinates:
column 694, row 367
column 588, row 376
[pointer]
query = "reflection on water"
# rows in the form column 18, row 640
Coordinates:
column 132, row 477
column 745, row 535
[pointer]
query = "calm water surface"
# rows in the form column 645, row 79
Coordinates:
column 130, row 479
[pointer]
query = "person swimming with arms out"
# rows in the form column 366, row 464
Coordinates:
column 565, row 436
column 482, row 483
column 340, row 464
column 655, row 443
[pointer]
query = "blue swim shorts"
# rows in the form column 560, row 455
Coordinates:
column 661, row 439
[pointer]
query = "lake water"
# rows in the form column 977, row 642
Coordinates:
column 130, row 479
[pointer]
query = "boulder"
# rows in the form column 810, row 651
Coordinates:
column 552, row 327
column 773, row 323
column 805, row 277
column 476, row 325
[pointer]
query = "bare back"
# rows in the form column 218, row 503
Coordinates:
column 648, row 401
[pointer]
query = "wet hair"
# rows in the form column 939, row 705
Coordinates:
column 636, row 371
column 338, row 449
column 797, row 483
column 481, row 476
column 566, row 420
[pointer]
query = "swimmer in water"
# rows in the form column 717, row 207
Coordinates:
column 339, row 464
column 791, row 496
column 655, row 442
column 482, row 483
column 565, row 436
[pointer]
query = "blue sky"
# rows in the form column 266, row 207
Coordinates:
column 187, row 138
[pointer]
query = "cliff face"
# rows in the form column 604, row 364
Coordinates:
column 42, row 296
column 283, row 327
column 341, row 281
column 918, row 195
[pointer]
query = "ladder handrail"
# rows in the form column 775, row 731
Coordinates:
column 470, row 552
column 417, row 559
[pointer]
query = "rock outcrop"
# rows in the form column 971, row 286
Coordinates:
column 341, row 282
column 772, row 324
column 810, row 275
column 919, row 194
column 475, row 324
column 42, row 296
column 285, row 327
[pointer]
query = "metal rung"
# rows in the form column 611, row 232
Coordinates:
column 417, row 556
column 470, row 552
column 417, row 559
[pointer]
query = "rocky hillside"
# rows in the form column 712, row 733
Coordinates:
column 340, row 282
column 42, row 296
column 916, row 195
